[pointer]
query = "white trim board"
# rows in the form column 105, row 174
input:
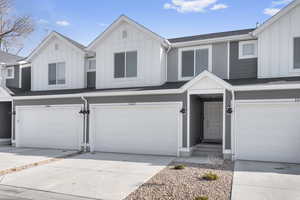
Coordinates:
column 277, row 16
column 195, row 48
column 48, row 38
column 126, row 19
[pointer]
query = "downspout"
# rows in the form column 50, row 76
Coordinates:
column 85, row 123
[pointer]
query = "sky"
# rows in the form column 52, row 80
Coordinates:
column 84, row 20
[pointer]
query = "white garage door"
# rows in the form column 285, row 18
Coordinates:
column 141, row 128
column 58, row 127
column 268, row 131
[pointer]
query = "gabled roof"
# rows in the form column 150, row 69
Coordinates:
column 116, row 23
column 72, row 41
column 206, row 74
column 211, row 35
column 7, row 58
column 274, row 18
column 59, row 35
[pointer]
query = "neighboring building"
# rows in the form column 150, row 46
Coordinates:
column 237, row 90
column 14, row 73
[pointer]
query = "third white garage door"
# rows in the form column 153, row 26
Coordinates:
column 145, row 128
column 268, row 131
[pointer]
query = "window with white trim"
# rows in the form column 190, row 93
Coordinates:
column 91, row 65
column 248, row 49
column 193, row 61
column 296, row 53
column 10, row 73
column 57, row 73
column 125, row 64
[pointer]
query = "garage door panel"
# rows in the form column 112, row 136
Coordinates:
column 49, row 127
column 268, row 131
column 143, row 129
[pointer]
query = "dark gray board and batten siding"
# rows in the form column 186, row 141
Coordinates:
column 5, row 120
column 116, row 99
column 219, row 62
column 241, row 68
column 268, row 94
column 15, row 82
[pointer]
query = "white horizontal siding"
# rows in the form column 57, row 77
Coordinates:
column 150, row 67
column 67, row 53
column 275, row 47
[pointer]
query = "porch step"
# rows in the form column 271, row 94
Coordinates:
column 208, row 150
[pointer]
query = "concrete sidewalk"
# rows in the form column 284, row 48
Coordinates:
column 11, row 157
column 265, row 181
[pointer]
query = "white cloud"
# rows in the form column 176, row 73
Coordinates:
column 185, row 6
column 219, row 6
column 63, row 23
column 281, row 2
column 42, row 21
column 271, row 11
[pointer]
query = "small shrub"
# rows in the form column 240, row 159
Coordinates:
column 201, row 198
column 210, row 176
column 179, row 167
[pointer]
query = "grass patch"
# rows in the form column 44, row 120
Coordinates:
column 179, row 167
column 201, row 198
column 210, row 176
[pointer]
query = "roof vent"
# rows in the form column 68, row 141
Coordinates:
column 124, row 34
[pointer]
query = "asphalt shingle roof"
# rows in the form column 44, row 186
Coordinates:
column 210, row 35
column 8, row 58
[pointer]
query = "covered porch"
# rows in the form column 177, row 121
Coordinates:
column 209, row 116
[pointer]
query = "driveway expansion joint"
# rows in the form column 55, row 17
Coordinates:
column 39, row 163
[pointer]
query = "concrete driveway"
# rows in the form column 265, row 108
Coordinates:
column 100, row 176
column 11, row 157
column 265, row 181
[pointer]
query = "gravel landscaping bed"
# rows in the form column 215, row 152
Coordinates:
column 187, row 184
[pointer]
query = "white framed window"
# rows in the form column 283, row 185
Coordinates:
column 57, row 73
column 10, row 73
column 125, row 64
column 296, row 53
column 248, row 49
column 91, row 65
column 194, row 60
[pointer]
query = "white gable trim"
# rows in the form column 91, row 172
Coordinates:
column 4, row 95
column 44, row 42
column 273, row 19
column 206, row 74
column 117, row 22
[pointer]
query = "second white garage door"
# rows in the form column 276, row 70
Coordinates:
column 268, row 131
column 59, row 127
column 146, row 128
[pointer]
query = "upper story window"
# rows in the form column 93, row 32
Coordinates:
column 91, row 66
column 57, row 73
column 297, row 53
column 125, row 64
column 193, row 61
column 248, row 49
column 10, row 73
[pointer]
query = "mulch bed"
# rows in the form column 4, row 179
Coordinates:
column 187, row 184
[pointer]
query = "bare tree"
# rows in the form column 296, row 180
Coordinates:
column 13, row 29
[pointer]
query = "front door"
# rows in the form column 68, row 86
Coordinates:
column 213, row 120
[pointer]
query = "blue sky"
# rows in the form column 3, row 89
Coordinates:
column 83, row 20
